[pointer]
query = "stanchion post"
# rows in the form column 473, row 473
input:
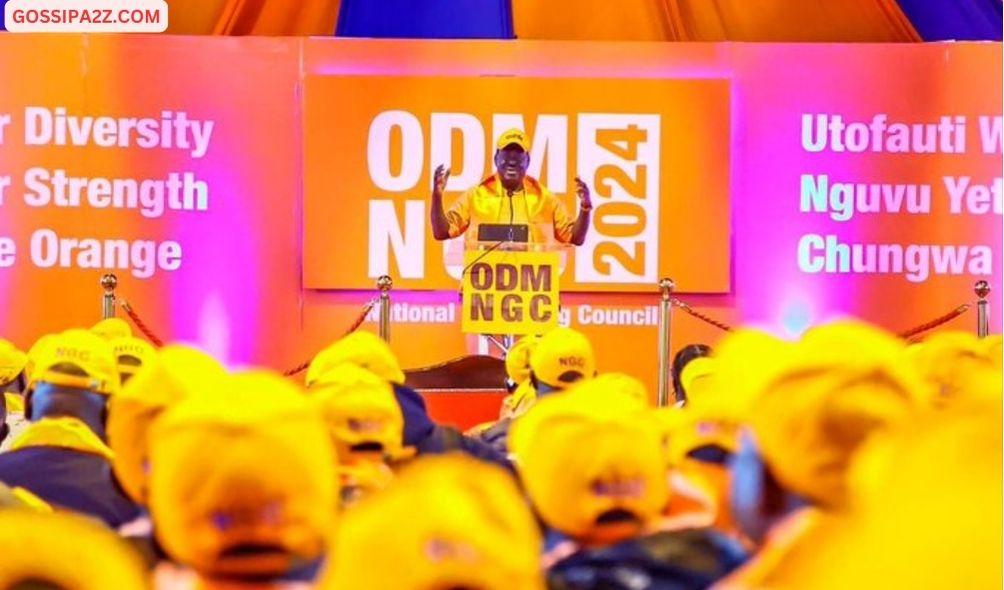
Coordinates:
column 982, row 289
column 666, row 287
column 108, row 283
column 384, row 283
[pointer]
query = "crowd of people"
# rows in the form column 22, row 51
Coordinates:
column 847, row 459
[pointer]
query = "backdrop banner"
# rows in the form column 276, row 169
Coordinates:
column 246, row 191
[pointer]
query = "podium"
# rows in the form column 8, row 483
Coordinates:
column 469, row 390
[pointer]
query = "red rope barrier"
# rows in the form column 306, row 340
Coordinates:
column 935, row 322
column 905, row 335
column 140, row 324
column 721, row 326
column 355, row 326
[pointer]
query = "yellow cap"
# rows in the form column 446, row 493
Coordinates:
column 619, row 383
column 67, row 551
column 164, row 379
column 562, row 357
column 515, row 136
column 77, row 358
column 844, row 384
column 517, row 360
column 446, row 522
column 592, row 463
column 33, row 352
column 957, row 365
column 130, row 354
column 12, row 362
column 932, row 521
column 720, row 391
column 362, row 349
column 586, row 398
column 686, row 430
column 848, row 341
column 362, row 414
column 242, row 482
column 696, row 378
column 112, row 328
column 744, row 361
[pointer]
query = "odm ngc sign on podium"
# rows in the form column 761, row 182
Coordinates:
column 510, row 292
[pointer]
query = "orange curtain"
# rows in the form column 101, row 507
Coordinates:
column 790, row 20
column 713, row 20
column 252, row 17
column 592, row 20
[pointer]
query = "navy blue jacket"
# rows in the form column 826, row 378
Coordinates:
column 428, row 437
column 678, row 560
column 75, row 480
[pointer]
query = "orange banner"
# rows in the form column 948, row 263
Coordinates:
column 654, row 152
column 863, row 180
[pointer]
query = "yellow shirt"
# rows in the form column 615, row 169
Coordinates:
column 532, row 205
column 62, row 432
column 519, row 402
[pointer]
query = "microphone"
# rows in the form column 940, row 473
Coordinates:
column 512, row 216
column 511, row 238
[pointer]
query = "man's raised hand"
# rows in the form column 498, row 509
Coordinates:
column 439, row 178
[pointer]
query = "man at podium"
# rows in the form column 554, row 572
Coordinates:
column 509, row 205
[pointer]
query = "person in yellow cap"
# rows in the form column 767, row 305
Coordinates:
column 61, row 456
column 684, row 358
column 696, row 376
column 844, row 383
column 929, row 519
column 112, row 329
column 521, row 394
column 592, row 462
column 561, row 358
column 163, row 380
column 698, row 482
column 366, row 350
column 701, row 440
column 517, row 367
column 718, row 390
column 65, row 551
column 509, row 197
column 366, row 427
column 446, row 522
column 242, row 482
